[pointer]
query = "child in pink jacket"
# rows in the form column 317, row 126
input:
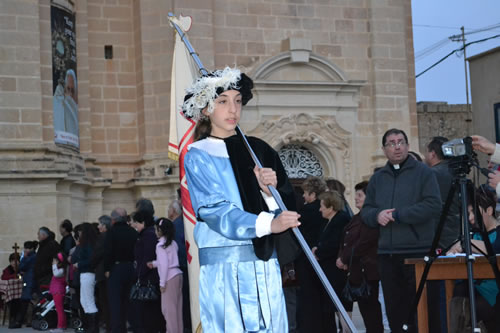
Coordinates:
column 58, row 289
column 167, row 263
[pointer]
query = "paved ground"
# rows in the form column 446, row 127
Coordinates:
column 358, row 322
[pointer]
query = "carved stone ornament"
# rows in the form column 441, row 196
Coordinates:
column 322, row 135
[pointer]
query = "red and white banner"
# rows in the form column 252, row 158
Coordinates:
column 184, row 72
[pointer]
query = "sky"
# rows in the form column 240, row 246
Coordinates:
column 433, row 22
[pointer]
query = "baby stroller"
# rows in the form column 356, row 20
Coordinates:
column 45, row 315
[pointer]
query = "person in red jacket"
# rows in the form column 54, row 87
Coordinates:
column 10, row 273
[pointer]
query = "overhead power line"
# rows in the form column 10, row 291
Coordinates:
column 443, row 42
column 455, row 51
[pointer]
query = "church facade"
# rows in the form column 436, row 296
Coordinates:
column 85, row 95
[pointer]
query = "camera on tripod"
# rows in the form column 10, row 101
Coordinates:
column 461, row 155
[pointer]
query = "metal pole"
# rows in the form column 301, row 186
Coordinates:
column 466, row 78
column 345, row 319
column 468, row 251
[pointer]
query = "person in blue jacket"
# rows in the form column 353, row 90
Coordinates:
column 26, row 267
column 239, row 231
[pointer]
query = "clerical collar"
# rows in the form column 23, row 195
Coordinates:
column 397, row 167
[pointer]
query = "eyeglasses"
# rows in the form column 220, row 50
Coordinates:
column 395, row 144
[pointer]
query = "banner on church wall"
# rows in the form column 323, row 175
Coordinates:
column 64, row 79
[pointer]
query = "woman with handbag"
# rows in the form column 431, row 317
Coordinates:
column 358, row 255
column 146, row 291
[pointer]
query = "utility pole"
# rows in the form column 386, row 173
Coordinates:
column 461, row 38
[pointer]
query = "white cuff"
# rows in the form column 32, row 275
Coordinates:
column 263, row 224
column 498, row 190
column 272, row 205
column 495, row 158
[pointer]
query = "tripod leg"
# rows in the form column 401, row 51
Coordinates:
column 429, row 259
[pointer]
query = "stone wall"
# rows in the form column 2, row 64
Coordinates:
column 442, row 119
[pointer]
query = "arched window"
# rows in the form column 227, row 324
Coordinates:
column 300, row 162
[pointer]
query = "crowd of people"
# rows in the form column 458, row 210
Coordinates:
column 122, row 272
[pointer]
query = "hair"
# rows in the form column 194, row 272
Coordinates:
column 76, row 231
column 143, row 216
column 88, row 234
column 67, row 225
column 394, row 131
column 146, row 205
column 45, row 231
column 105, row 220
column 332, row 199
column 167, row 230
column 336, row 185
column 485, row 199
column 176, row 206
column 32, row 245
column 314, row 185
column 203, row 129
column 415, row 155
column 119, row 215
column 14, row 256
column 62, row 260
column 435, row 146
column 361, row 186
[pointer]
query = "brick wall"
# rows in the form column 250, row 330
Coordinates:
column 20, row 84
column 112, row 82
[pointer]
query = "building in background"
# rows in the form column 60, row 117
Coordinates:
column 452, row 121
column 330, row 78
column 485, row 93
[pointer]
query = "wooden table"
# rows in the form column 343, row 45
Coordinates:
column 447, row 269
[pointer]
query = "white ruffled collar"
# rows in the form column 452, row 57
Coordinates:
column 213, row 146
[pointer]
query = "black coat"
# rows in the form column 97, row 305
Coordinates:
column 120, row 244
column 67, row 243
column 312, row 222
column 43, row 262
column 285, row 243
column 97, row 259
column 145, row 251
column 328, row 248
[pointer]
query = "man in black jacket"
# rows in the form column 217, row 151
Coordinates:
column 46, row 252
column 119, row 267
column 434, row 158
column 403, row 200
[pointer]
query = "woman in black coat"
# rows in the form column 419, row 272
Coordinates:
column 150, row 315
column 312, row 223
column 326, row 251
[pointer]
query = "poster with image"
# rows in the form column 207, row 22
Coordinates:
column 64, row 78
